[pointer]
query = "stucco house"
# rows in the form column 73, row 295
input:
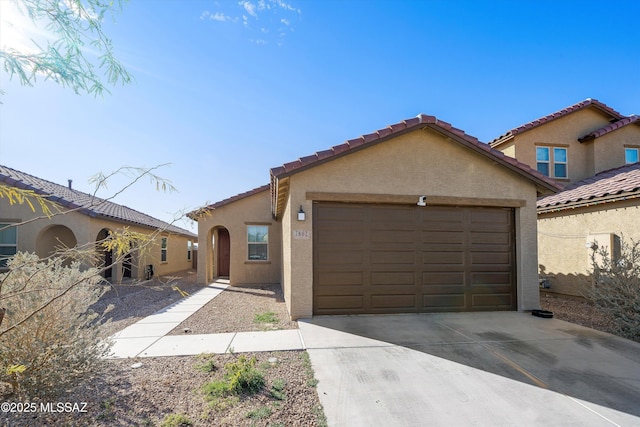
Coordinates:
column 415, row 217
column 90, row 219
column 593, row 151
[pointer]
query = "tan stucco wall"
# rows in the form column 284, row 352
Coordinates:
column 609, row 149
column 421, row 162
column 39, row 235
column 563, row 132
column 562, row 239
column 235, row 217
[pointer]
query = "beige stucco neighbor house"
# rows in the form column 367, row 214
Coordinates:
column 90, row 220
column 593, row 150
column 415, row 217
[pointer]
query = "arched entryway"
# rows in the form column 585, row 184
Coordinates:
column 54, row 239
column 219, row 253
column 105, row 258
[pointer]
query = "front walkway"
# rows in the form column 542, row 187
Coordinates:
column 148, row 337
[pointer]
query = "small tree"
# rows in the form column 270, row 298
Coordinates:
column 49, row 339
column 76, row 54
column 616, row 286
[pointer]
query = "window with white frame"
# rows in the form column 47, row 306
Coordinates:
column 258, row 242
column 163, row 249
column 189, row 249
column 552, row 161
column 631, row 155
column 8, row 242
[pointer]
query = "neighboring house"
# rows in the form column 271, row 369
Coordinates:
column 593, row 150
column 416, row 217
column 90, row 220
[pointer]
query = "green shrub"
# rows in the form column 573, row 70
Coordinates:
column 241, row 377
column 49, row 340
column 176, row 420
column 616, row 286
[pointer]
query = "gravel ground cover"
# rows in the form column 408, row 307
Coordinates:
column 134, row 301
column 145, row 391
column 576, row 310
column 240, row 309
column 121, row 395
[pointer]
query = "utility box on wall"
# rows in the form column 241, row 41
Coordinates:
column 609, row 242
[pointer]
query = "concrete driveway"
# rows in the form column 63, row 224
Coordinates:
column 482, row 369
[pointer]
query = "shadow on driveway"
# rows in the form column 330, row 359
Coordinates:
column 550, row 354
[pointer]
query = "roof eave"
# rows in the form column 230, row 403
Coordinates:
column 609, row 198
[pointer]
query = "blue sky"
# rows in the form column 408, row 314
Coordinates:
column 225, row 90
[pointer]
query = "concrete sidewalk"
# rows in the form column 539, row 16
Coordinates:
column 148, row 337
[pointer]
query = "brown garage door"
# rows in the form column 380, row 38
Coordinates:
column 410, row 259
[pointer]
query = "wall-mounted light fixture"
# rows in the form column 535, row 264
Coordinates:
column 422, row 201
column 301, row 214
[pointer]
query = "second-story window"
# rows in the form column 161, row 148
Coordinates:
column 631, row 155
column 552, row 161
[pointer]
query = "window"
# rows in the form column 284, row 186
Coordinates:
column 8, row 243
column 163, row 250
column 631, row 155
column 189, row 248
column 258, row 242
column 550, row 159
column 542, row 160
column 560, row 162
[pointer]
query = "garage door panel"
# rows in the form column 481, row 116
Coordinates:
column 493, row 258
column 447, row 237
column 341, row 237
column 443, row 303
column 442, row 277
column 393, row 301
column 393, row 278
column 439, row 258
column 492, row 301
column 491, row 278
column 340, row 278
column 393, row 236
column 392, row 257
column 340, row 303
column 490, row 238
column 387, row 259
column 340, row 213
column 341, row 257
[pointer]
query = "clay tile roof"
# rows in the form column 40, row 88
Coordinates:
column 421, row 120
column 195, row 215
column 86, row 203
column 558, row 114
column 610, row 128
column 614, row 184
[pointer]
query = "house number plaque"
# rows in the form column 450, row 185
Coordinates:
column 301, row 234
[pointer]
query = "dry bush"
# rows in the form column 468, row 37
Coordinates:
column 49, row 341
column 616, row 287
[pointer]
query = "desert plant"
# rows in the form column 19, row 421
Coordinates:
column 616, row 286
column 277, row 389
column 50, row 339
column 176, row 420
column 241, row 377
